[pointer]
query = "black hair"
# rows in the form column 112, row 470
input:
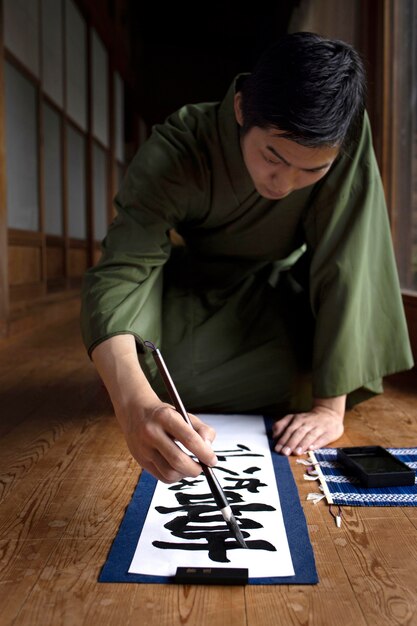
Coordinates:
column 313, row 89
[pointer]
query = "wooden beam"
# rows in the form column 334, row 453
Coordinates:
column 4, row 281
column 41, row 161
column 89, row 145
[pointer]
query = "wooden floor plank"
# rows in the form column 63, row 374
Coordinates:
column 67, row 589
column 379, row 556
column 294, row 605
column 66, row 477
column 72, row 570
column 21, row 564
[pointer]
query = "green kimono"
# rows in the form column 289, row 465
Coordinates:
column 268, row 302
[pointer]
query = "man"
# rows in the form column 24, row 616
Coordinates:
column 252, row 246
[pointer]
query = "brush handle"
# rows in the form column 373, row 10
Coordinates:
column 214, row 484
column 218, row 493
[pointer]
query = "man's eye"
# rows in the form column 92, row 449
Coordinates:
column 271, row 161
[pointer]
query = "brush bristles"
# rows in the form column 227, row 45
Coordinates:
column 234, row 527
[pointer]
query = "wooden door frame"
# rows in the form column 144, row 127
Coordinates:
column 379, row 21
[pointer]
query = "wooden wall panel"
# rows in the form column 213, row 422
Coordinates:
column 25, row 265
column 78, row 261
column 25, row 295
column 35, row 265
column 55, row 262
column 330, row 18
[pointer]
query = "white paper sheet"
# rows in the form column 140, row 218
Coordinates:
column 201, row 538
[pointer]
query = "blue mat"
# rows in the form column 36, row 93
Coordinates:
column 121, row 553
column 345, row 489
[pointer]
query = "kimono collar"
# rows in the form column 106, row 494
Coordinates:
column 240, row 179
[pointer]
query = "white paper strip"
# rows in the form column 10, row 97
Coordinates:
column 184, row 528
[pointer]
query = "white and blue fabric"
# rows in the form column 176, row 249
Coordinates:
column 346, row 490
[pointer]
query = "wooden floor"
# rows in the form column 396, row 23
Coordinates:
column 66, row 477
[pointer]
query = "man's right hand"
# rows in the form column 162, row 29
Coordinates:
column 152, row 433
column 151, row 427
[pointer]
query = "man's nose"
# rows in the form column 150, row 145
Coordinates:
column 285, row 181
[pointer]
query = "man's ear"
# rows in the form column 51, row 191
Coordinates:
column 238, row 108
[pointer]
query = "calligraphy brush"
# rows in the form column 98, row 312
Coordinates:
column 218, row 493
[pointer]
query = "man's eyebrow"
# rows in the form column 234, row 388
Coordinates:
column 304, row 169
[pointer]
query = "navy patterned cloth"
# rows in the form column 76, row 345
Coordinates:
column 346, row 490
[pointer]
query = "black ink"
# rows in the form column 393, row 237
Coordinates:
column 191, row 499
column 217, row 549
column 250, row 484
column 252, row 506
column 222, row 455
column 184, row 484
column 198, row 518
column 226, row 470
column 218, row 538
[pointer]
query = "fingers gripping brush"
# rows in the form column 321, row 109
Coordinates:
column 215, row 488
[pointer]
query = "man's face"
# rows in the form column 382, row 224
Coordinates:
column 279, row 166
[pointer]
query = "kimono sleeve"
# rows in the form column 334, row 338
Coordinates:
column 123, row 292
column 360, row 328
